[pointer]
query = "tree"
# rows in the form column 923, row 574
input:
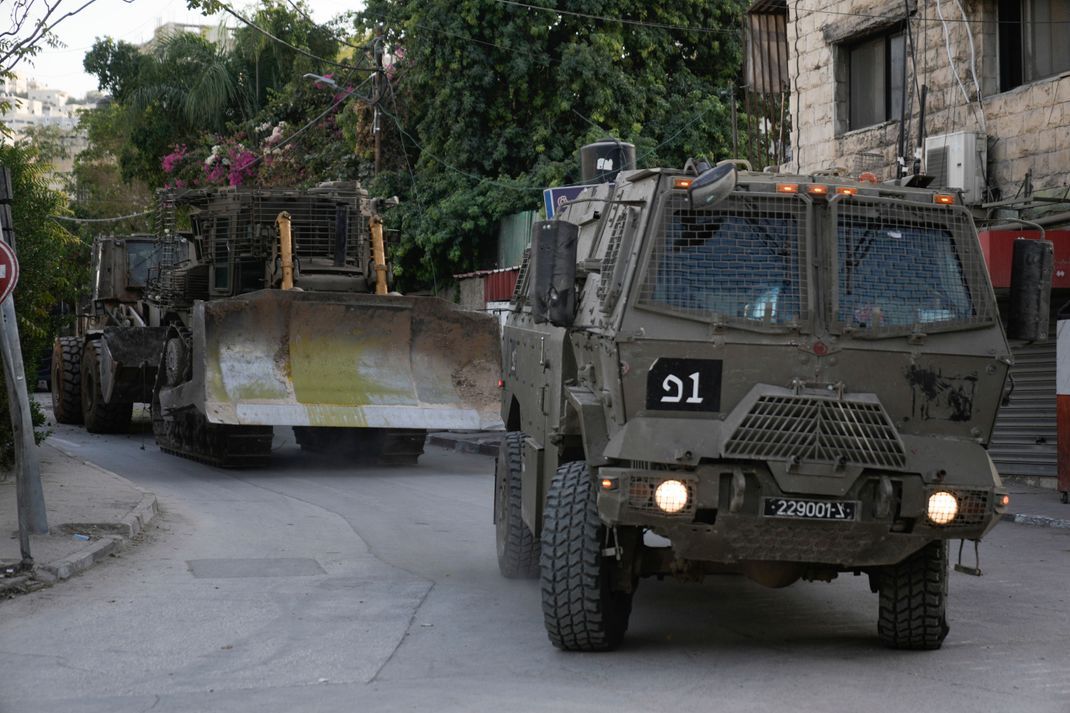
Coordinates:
column 492, row 101
column 46, row 251
column 189, row 100
column 46, row 254
column 33, row 23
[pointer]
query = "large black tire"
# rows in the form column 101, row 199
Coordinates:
column 67, row 380
column 100, row 416
column 518, row 550
column 580, row 609
column 913, row 600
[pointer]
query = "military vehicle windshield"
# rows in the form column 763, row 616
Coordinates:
column 141, row 257
column 739, row 263
column 902, row 267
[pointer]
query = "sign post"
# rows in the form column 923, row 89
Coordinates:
column 31, row 501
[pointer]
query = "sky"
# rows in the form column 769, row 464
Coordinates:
column 132, row 22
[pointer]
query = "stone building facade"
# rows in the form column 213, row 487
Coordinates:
column 995, row 68
column 995, row 77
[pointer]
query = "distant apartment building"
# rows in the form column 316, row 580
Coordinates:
column 30, row 104
column 974, row 94
column 216, row 34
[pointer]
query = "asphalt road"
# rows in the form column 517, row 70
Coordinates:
column 313, row 586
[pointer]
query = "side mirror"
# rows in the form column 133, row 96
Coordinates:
column 1030, row 293
column 553, row 276
column 712, row 186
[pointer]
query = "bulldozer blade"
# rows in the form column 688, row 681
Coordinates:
column 274, row 358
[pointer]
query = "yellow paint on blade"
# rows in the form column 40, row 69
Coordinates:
column 345, row 355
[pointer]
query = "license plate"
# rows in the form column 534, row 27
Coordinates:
column 799, row 509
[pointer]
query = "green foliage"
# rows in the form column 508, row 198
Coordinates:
column 185, row 88
column 494, row 100
column 46, row 254
column 189, row 96
column 486, row 104
column 116, row 65
column 7, row 434
column 266, row 65
column 45, row 250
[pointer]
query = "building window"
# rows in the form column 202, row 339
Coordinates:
column 1032, row 40
column 875, row 66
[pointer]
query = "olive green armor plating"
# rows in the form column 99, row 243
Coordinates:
column 809, row 359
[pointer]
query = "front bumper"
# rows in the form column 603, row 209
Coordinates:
column 723, row 521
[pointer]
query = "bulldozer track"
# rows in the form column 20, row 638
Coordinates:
column 190, row 435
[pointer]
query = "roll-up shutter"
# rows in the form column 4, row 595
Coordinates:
column 1024, row 439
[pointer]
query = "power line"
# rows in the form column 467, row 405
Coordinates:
column 451, row 167
column 70, row 219
column 310, row 19
column 715, row 30
column 226, row 8
column 440, row 31
column 622, row 20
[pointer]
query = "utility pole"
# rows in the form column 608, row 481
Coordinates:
column 30, row 496
column 377, row 95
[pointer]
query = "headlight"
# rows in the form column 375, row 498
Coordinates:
column 943, row 507
column 671, row 496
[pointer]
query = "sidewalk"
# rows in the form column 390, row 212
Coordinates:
column 1029, row 505
column 92, row 513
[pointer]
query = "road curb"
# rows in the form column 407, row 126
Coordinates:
column 128, row 527
column 67, row 567
column 1036, row 520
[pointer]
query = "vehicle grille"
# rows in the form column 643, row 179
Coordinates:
column 818, row 430
column 790, row 541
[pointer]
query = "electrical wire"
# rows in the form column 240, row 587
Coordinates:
column 338, row 37
column 337, row 102
column 226, row 8
column 973, row 64
column 438, row 30
column 951, row 60
column 70, row 219
column 689, row 28
column 622, row 20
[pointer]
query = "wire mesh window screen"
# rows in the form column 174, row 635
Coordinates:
column 322, row 227
column 741, row 263
column 907, row 267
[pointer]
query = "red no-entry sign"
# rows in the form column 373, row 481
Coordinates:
column 9, row 271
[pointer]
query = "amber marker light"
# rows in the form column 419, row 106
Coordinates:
column 609, row 484
column 1004, row 500
column 944, row 199
column 787, row 188
column 846, row 191
column 681, row 183
column 943, row 507
column 817, row 189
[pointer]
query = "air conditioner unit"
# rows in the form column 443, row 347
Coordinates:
column 958, row 160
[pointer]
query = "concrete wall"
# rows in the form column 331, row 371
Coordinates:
column 1028, row 127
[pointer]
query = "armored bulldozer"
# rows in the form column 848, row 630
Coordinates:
column 272, row 309
column 278, row 314
column 785, row 377
column 110, row 362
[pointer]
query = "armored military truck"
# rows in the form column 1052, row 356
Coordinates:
column 712, row 370
column 109, row 364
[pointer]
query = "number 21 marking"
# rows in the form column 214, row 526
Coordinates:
column 675, row 383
